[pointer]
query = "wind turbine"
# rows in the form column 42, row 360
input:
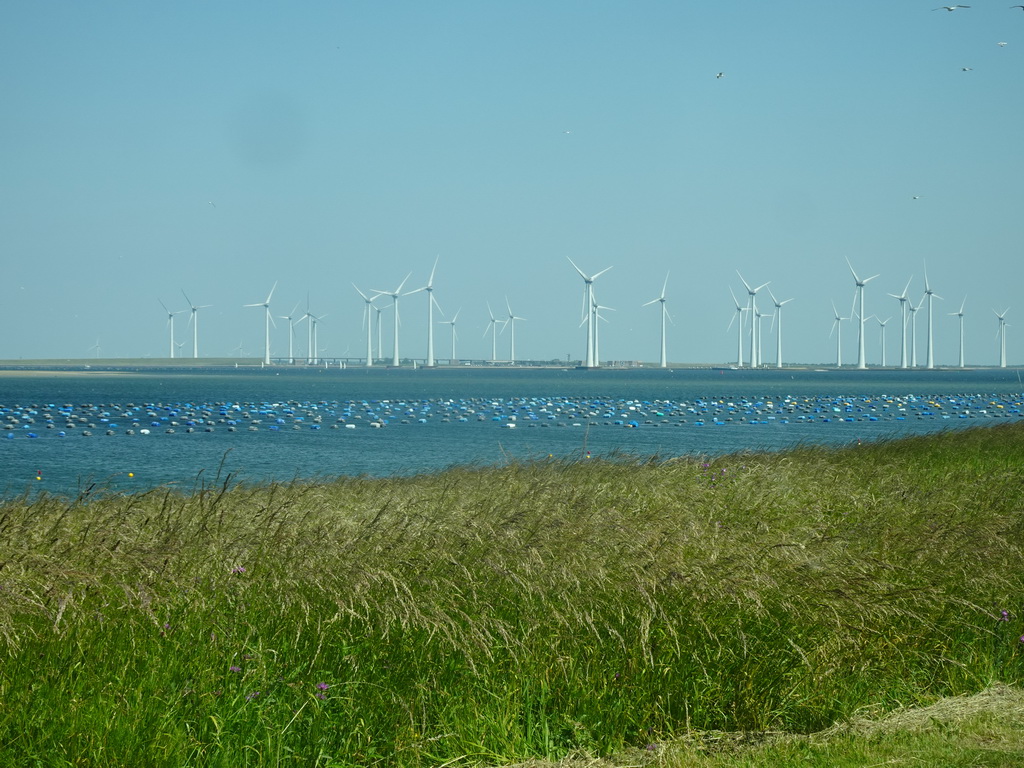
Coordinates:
column 511, row 323
column 960, row 314
column 368, row 324
column 431, row 302
column 881, row 324
column 591, row 318
column 930, row 294
column 170, row 325
column 452, row 324
column 902, row 298
column 740, row 309
column 778, row 333
column 194, row 320
column 1002, row 337
column 268, row 321
column 664, row 317
column 292, row 322
column 492, row 327
column 913, row 332
column 755, row 360
column 395, row 359
column 861, row 361
column 313, row 321
column 380, row 332
column 837, row 326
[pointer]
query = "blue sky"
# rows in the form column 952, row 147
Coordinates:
column 217, row 148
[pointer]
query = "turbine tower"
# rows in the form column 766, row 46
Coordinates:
column 740, row 309
column 194, row 320
column 960, row 314
column 170, row 325
column 664, row 317
column 861, row 359
column 1002, row 337
column 269, row 320
column 778, row 333
column 930, row 294
column 395, row 359
column 902, row 298
column 368, row 324
column 755, row 343
column 591, row 317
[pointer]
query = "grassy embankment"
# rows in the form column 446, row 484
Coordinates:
column 481, row 616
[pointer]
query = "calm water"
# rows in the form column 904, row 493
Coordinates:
column 273, row 424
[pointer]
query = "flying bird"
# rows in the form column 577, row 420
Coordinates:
column 965, row 69
column 950, row 7
column 720, row 75
column 1018, row 6
column 211, row 203
column 1003, row 45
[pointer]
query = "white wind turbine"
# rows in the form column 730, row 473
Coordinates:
column 492, row 328
column 902, row 298
column 960, row 314
column 664, row 318
column 395, row 359
column 881, row 325
column 778, row 331
column 913, row 331
column 292, row 322
column 590, row 361
column 511, row 324
column 1002, row 336
column 314, row 320
column 837, row 326
column 170, row 325
column 268, row 321
column 452, row 324
column 380, row 332
column 861, row 359
column 368, row 324
column 194, row 320
column 755, row 343
column 740, row 309
column 930, row 294
column 431, row 303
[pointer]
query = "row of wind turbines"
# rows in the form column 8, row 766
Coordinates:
column 747, row 318
column 908, row 320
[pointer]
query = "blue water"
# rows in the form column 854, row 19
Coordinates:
column 63, row 432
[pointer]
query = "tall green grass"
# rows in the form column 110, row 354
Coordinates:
column 487, row 615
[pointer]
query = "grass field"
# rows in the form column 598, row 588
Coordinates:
column 668, row 611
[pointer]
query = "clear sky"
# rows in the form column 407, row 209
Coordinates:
column 215, row 148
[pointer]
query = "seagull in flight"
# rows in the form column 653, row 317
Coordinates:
column 211, row 203
column 950, row 7
column 1018, row 6
column 1003, row 45
column 965, row 69
column 720, row 75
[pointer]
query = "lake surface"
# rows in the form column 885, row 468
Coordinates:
column 137, row 430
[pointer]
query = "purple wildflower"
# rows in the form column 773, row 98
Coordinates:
column 251, row 696
column 1004, row 616
column 234, row 669
column 651, row 747
column 322, row 686
column 322, row 696
column 238, row 569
